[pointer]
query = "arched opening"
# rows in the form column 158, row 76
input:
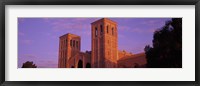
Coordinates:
column 72, row 66
column 96, row 33
column 80, row 64
column 136, row 65
column 88, row 65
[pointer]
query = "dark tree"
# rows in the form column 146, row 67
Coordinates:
column 167, row 46
column 29, row 64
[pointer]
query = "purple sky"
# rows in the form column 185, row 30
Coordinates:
column 38, row 38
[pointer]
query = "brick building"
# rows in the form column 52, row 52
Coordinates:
column 104, row 52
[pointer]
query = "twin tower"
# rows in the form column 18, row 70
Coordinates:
column 104, row 48
column 104, row 43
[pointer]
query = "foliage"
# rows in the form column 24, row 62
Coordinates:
column 167, row 46
column 29, row 64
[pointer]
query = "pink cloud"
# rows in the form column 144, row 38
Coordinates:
column 124, row 28
column 21, row 33
column 60, row 26
column 121, row 36
column 63, row 24
column 152, row 22
column 139, row 30
column 27, row 41
column 88, row 33
column 21, row 20
column 136, row 29
column 27, row 56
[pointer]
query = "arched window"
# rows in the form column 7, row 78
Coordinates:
column 71, row 43
column 96, row 32
column 101, row 27
column 136, row 65
column 80, row 64
column 88, row 65
column 76, row 44
column 112, row 31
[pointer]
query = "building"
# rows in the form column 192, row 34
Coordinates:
column 104, row 52
column 132, row 61
column 69, row 46
column 104, row 43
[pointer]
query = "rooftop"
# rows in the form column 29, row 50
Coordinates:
column 104, row 19
column 70, row 35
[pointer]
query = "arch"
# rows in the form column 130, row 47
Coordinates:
column 107, row 29
column 80, row 64
column 88, row 65
column 136, row 65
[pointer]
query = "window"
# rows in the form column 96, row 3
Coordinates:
column 96, row 31
column 76, row 44
column 101, row 29
column 107, row 29
column 112, row 31
column 71, row 43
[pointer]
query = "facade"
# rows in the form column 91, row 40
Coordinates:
column 69, row 47
column 132, row 61
column 104, row 43
column 104, row 52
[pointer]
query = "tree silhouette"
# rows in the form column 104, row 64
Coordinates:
column 167, row 46
column 29, row 64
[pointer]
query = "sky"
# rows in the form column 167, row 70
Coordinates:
column 38, row 38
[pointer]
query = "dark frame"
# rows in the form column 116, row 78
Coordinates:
column 98, row 2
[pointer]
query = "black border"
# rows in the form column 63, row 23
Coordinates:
column 98, row 2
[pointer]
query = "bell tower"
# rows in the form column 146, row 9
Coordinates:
column 104, row 43
column 69, row 46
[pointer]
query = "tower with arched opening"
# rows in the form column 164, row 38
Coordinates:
column 104, row 43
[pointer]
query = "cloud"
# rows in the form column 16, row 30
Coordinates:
column 136, row 29
column 80, row 19
column 63, row 26
column 26, row 41
column 88, row 33
column 27, row 56
column 69, row 24
column 47, row 63
column 123, row 28
column 152, row 22
column 121, row 36
column 21, row 20
column 21, row 33
column 47, row 20
column 142, row 30
column 40, row 62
